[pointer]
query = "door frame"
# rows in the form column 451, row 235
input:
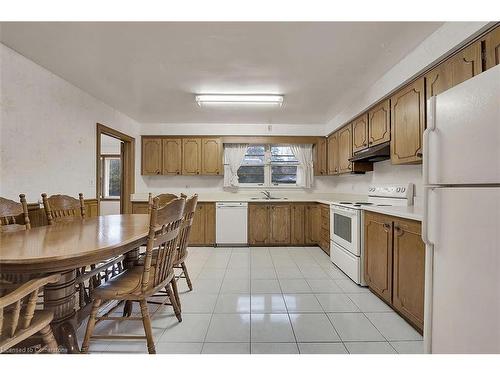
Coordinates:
column 128, row 166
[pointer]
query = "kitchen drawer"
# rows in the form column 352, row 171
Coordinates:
column 347, row 262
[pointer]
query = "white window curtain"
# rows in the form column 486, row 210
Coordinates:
column 234, row 154
column 305, row 173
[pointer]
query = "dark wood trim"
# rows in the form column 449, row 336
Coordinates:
column 128, row 165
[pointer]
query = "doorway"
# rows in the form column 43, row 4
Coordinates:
column 115, row 170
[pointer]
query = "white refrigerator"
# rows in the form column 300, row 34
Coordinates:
column 461, row 226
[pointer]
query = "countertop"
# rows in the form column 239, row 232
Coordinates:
column 407, row 212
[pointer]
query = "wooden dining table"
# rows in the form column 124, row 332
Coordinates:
column 63, row 248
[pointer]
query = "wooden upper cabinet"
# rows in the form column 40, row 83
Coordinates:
column 409, row 270
column 492, row 44
column 211, row 159
column 279, row 221
column 191, row 156
column 408, row 123
column 151, row 156
column 379, row 124
column 378, row 254
column 258, row 224
column 462, row 66
column 172, row 156
column 297, row 226
column 360, row 133
column 345, row 149
column 312, row 224
column 320, row 157
column 333, row 154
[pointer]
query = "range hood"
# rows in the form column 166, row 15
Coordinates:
column 373, row 154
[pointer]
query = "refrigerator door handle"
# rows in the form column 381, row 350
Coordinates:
column 431, row 126
column 425, row 223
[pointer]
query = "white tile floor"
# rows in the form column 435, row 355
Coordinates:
column 272, row 300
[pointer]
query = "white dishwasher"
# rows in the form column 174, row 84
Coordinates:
column 231, row 223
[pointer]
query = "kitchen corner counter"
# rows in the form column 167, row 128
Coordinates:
column 406, row 212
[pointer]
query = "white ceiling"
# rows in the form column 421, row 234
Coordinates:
column 151, row 71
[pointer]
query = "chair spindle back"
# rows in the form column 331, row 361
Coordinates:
column 164, row 228
column 63, row 207
column 14, row 215
column 187, row 222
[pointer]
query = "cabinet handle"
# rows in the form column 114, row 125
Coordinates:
column 370, row 142
column 157, row 172
column 398, row 230
column 419, row 154
column 197, row 172
column 387, row 227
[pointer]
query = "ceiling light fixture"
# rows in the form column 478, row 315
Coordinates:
column 239, row 99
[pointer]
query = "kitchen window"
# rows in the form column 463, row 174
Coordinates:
column 268, row 166
column 111, row 177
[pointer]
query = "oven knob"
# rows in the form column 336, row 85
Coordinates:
column 398, row 190
column 403, row 190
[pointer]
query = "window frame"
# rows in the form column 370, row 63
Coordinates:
column 105, row 157
column 268, row 184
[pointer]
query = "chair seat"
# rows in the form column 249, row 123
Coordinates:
column 41, row 318
column 127, row 285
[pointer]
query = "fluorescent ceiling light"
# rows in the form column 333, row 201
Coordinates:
column 251, row 99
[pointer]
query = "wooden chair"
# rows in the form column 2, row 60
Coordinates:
column 164, row 199
column 182, row 252
column 63, row 207
column 14, row 215
column 19, row 320
column 143, row 281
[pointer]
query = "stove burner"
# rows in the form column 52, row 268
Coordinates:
column 384, row 205
column 345, row 202
column 363, row 203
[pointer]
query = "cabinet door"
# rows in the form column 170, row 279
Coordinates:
column 379, row 124
column 492, row 43
column 297, row 224
column 140, row 207
column 151, row 156
column 172, row 156
column 258, row 224
column 333, row 152
column 320, row 157
column 345, row 149
column 313, row 224
column 465, row 64
column 324, row 242
column 211, row 160
column 197, row 234
column 408, row 124
column 360, row 133
column 191, row 156
column 409, row 271
column 209, row 223
column 279, row 224
column 378, row 254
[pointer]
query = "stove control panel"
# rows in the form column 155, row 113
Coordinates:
column 391, row 191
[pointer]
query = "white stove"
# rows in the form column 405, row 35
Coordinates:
column 346, row 234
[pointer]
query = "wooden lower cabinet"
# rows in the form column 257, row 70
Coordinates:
column 140, row 207
column 409, row 270
column 395, row 264
column 258, row 223
column 284, row 224
column 279, row 224
column 297, row 223
column 312, row 224
column 324, row 238
column 378, row 254
column 203, row 228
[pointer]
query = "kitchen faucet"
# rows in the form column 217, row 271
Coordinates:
column 267, row 194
